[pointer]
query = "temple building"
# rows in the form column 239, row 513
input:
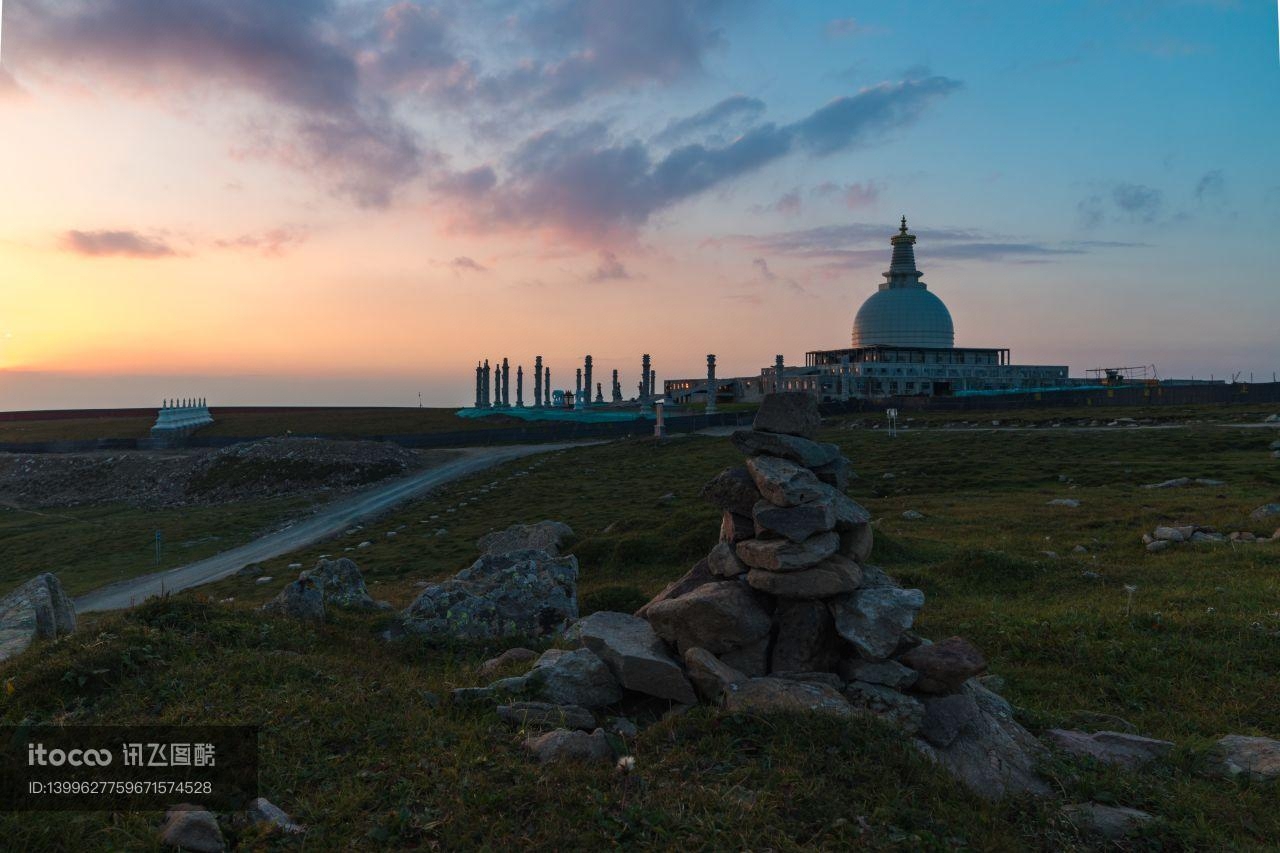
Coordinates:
column 903, row 344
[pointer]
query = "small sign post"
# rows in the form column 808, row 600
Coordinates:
column 893, row 421
column 159, row 546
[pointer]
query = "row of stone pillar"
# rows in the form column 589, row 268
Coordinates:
column 493, row 385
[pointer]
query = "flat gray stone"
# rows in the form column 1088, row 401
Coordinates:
column 1239, row 756
column 1111, row 823
column 796, row 523
column 1119, row 748
column 563, row 746
column 724, row 563
column 548, row 536
column 634, row 654
column 710, row 675
column 784, row 483
column 774, row 695
column 835, row 575
column 783, row 555
column 802, row 451
column 945, row 666
column 544, row 715
column 888, row 673
column 577, row 677
column 697, row 576
column 905, row 712
column 192, row 828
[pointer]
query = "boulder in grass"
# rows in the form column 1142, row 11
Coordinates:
column 1109, row 823
column 1265, row 511
column 944, row 667
column 634, row 654
column 1119, row 748
column 544, row 715
column 790, row 413
column 769, row 695
column 301, row 600
column 549, row 536
column 192, row 828
column 263, row 811
column 577, row 677
column 517, row 594
column 563, row 746
column 37, row 610
column 341, row 584
column 1254, row 758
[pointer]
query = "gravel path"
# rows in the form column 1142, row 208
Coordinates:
column 330, row 521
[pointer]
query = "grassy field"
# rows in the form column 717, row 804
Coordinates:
column 1182, row 645
column 89, row 547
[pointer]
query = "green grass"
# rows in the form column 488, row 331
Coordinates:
column 89, row 547
column 71, row 429
column 354, row 746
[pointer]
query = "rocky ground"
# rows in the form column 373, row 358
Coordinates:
column 272, row 467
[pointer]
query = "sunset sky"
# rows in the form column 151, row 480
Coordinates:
column 353, row 201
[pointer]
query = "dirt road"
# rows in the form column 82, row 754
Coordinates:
column 327, row 522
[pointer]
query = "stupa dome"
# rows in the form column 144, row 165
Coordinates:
column 903, row 312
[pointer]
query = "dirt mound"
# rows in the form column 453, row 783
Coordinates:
column 268, row 468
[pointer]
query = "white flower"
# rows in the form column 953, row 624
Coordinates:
column 626, row 764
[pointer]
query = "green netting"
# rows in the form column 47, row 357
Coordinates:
column 586, row 416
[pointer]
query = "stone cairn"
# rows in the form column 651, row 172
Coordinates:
column 784, row 614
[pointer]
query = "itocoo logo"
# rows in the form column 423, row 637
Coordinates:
column 38, row 755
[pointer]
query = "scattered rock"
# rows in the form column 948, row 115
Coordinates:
column 1265, row 511
column 1170, row 484
column 265, row 579
column 563, row 745
column 944, row 667
column 1111, row 823
column 548, row 536
column 1168, row 534
column 1254, row 758
column 544, row 715
column 577, row 677
column 262, row 810
column 300, row 600
column 913, row 515
column 1071, row 502
column 192, row 828
column 1119, row 748
column 510, row 656
column 520, row 593
column 634, row 654
column 790, row 413
column 710, row 675
column 37, row 610
column 1159, row 545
